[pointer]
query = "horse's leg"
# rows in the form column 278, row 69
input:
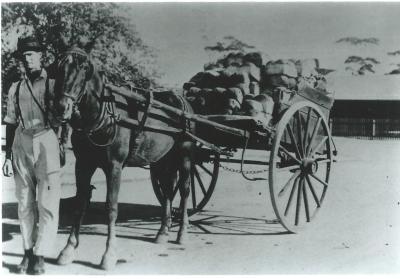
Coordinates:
column 83, row 174
column 184, row 189
column 113, row 176
column 167, row 181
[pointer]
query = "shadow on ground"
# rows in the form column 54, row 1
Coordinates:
column 145, row 219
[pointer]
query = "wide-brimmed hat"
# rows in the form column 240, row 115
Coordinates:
column 30, row 43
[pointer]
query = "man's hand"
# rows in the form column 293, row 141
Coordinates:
column 8, row 168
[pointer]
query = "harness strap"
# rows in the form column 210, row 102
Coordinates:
column 149, row 102
column 18, row 106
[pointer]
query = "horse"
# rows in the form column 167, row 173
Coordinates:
column 100, row 141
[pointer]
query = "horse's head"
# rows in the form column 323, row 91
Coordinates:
column 74, row 70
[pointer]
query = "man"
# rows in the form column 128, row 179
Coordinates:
column 32, row 151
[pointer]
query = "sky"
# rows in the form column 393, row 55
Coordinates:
column 180, row 31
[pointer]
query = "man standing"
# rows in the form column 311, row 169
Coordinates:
column 32, row 151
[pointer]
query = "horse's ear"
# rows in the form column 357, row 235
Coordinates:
column 90, row 71
column 62, row 43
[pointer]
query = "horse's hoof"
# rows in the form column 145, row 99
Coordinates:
column 161, row 238
column 108, row 262
column 181, row 239
column 67, row 255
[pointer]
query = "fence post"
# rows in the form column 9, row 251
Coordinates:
column 373, row 128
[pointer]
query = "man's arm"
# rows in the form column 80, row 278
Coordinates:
column 10, row 133
column 11, row 125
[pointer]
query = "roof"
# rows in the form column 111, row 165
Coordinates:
column 371, row 87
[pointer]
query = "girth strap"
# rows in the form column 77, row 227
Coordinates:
column 147, row 107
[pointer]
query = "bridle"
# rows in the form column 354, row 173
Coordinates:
column 78, row 52
column 107, row 105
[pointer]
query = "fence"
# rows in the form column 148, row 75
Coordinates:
column 366, row 128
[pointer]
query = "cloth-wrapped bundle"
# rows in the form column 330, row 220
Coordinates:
column 280, row 73
column 221, row 86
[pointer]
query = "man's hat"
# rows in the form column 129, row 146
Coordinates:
column 27, row 44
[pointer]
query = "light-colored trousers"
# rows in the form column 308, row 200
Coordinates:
column 38, row 188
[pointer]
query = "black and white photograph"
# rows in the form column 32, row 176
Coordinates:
column 200, row 138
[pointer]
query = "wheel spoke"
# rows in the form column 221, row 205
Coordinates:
column 298, row 205
column 193, row 189
column 205, row 169
column 305, row 200
column 293, row 139
column 314, row 133
column 299, row 126
column 308, row 122
column 323, row 161
column 319, row 145
column 317, row 178
column 296, row 167
column 313, row 191
column 199, row 180
column 290, row 155
column 284, row 188
column 290, row 197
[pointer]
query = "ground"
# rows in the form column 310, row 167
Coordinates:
column 355, row 232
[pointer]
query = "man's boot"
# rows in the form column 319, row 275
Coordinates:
column 38, row 265
column 23, row 266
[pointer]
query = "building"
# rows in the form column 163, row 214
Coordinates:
column 366, row 106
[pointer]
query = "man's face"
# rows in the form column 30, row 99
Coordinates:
column 32, row 60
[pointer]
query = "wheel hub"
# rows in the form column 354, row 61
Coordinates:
column 309, row 165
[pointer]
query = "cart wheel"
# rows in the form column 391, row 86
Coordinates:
column 203, row 178
column 300, row 164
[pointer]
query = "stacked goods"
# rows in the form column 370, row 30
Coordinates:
column 309, row 76
column 223, row 86
column 241, row 84
column 280, row 73
column 292, row 74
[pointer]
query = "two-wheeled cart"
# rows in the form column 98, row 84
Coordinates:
column 298, row 158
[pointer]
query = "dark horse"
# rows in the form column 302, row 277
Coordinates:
column 100, row 141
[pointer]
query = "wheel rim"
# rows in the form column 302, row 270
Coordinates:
column 300, row 165
column 203, row 179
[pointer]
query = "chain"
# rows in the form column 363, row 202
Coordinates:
column 239, row 171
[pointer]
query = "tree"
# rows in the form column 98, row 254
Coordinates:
column 395, row 71
column 356, row 64
column 231, row 48
column 358, row 41
column 360, row 66
column 229, row 44
column 116, row 46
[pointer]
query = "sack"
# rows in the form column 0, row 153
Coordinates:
column 307, row 67
column 280, row 80
column 281, row 67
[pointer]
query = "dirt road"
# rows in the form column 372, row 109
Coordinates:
column 357, row 230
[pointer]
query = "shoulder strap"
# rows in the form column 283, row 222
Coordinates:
column 46, row 102
column 17, row 102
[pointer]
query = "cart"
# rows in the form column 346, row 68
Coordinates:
column 298, row 149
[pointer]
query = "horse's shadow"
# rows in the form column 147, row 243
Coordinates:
column 139, row 222
column 146, row 219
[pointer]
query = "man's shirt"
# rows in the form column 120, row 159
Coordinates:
column 32, row 116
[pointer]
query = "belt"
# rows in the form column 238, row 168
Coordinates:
column 35, row 132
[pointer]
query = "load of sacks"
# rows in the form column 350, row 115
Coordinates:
column 240, row 84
